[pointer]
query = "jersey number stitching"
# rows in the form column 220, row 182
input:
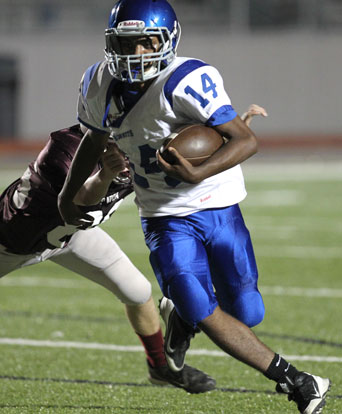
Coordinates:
column 207, row 86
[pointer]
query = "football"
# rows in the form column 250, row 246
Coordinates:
column 196, row 143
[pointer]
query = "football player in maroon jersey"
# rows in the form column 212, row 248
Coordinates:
column 32, row 231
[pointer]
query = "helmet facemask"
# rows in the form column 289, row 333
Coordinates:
column 139, row 68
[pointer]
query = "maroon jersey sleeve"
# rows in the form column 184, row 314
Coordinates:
column 54, row 160
column 29, row 218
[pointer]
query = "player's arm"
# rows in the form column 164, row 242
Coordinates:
column 241, row 145
column 91, row 148
column 96, row 186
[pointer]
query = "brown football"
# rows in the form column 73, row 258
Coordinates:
column 196, row 143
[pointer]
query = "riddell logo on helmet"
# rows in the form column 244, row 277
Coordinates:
column 131, row 24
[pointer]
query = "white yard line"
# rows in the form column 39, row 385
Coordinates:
column 301, row 291
column 274, row 198
column 30, row 281
column 69, row 344
column 300, row 252
column 130, row 348
column 293, row 171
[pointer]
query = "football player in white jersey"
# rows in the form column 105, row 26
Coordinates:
column 200, row 248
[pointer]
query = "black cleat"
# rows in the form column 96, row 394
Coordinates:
column 178, row 335
column 190, row 379
column 307, row 391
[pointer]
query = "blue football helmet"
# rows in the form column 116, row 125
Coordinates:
column 141, row 18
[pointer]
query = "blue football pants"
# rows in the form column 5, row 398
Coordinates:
column 203, row 260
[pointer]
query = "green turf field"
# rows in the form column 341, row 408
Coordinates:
column 66, row 346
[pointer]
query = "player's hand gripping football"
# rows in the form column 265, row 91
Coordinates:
column 181, row 169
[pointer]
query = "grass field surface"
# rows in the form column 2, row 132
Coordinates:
column 66, row 345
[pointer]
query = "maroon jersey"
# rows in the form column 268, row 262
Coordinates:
column 29, row 218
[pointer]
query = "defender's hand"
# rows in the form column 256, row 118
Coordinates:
column 114, row 161
column 253, row 110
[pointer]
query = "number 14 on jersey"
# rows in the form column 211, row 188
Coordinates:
column 207, row 86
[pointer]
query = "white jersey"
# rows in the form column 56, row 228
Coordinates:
column 189, row 91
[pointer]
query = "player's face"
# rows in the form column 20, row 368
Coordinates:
column 133, row 45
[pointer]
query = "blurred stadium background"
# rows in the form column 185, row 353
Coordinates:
column 283, row 54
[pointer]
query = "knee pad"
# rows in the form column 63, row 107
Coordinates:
column 248, row 308
column 193, row 302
